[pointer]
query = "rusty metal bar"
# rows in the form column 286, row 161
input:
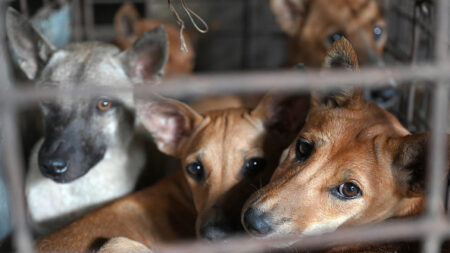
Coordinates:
column 13, row 162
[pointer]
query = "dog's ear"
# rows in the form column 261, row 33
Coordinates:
column 289, row 14
column 148, row 56
column 125, row 24
column 283, row 113
column 341, row 55
column 31, row 49
column 408, row 155
column 170, row 122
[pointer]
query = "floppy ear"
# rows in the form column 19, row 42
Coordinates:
column 31, row 49
column 340, row 55
column 125, row 22
column 409, row 161
column 147, row 57
column 285, row 114
column 170, row 122
column 290, row 14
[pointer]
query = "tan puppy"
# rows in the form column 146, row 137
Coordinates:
column 313, row 26
column 226, row 156
column 353, row 163
column 129, row 26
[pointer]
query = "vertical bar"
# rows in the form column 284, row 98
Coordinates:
column 24, row 7
column 410, row 107
column 437, row 155
column 89, row 18
column 247, row 32
column 11, row 156
column 14, row 180
column 437, row 160
column 77, row 32
column 414, row 54
column 148, row 8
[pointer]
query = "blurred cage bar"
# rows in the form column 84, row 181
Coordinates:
column 416, row 53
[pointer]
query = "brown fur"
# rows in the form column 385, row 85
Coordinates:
column 222, row 140
column 309, row 22
column 353, row 141
column 161, row 213
column 129, row 26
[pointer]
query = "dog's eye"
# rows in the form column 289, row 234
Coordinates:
column 253, row 166
column 347, row 191
column 377, row 32
column 303, row 149
column 195, row 170
column 333, row 37
column 104, row 105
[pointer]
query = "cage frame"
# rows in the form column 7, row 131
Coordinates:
column 432, row 228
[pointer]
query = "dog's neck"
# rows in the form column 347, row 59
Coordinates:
column 114, row 176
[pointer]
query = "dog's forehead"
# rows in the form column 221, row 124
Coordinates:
column 83, row 64
column 342, row 137
column 342, row 11
column 334, row 124
column 229, row 132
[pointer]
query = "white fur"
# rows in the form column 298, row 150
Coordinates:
column 283, row 155
column 324, row 226
column 112, row 177
column 123, row 244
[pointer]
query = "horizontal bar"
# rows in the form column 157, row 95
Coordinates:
column 386, row 232
column 249, row 82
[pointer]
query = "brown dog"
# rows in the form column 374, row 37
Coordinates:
column 352, row 163
column 226, row 156
column 129, row 26
column 313, row 26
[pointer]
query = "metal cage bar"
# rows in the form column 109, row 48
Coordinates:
column 433, row 227
column 13, row 165
column 437, row 159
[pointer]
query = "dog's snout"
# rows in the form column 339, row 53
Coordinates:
column 55, row 165
column 256, row 222
column 216, row 231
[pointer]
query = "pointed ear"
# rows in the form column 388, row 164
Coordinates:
column 285, row 114
column 170, row 122
column 125, row 24
column 290, row 14
column 31, row 49
column 148, row 56
column 340, row 55
column 409, row 161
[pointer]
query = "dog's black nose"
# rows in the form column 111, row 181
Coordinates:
column 257, row 222
column 55, row 165
column 215, row 231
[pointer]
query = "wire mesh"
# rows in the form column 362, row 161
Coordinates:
column 433, row 227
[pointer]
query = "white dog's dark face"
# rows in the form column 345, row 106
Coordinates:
column 78, row 132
